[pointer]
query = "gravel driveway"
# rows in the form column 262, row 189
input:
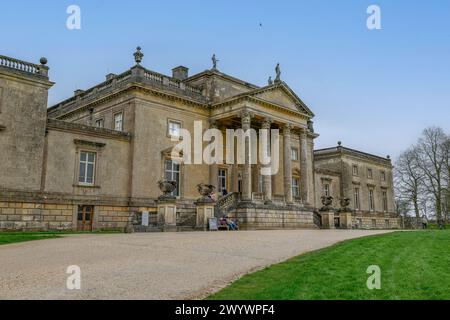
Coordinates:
column 150, row 266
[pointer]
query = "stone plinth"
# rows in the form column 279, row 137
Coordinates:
column 167, row 214
column 345, row 220
column 327, row 219
column 262, row 217
column 205, row 211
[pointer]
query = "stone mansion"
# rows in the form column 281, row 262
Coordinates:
column 93, row 161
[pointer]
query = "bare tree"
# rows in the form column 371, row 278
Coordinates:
column 432, row 159
column 446, row 208
column 409, row 179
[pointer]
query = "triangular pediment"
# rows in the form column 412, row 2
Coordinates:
column 282, row 95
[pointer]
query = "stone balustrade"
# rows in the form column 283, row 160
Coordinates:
column 226, row 204
column 136, row 74
column 23, row 66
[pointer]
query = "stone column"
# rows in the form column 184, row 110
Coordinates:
column 247, row 174
column 214, row 168
column 287, row 164
column 304, row 181
column 267, row 180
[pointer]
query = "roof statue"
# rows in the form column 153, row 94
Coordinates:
column 214, row 61
column 278, row 72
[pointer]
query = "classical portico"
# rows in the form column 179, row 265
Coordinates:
column 246, row 179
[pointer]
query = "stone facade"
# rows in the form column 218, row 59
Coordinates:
column 93, row 161
column 365, row 179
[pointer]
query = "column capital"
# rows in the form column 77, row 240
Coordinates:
column 246, row 116
column 266, row 123
column 287, row 129
column 213, row 124
column 303, row 132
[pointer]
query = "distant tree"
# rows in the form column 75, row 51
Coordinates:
column 409, row 180
column 447, row 179
column 402, row 208
column 432, row 159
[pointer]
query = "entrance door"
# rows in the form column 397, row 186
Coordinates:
column 337, row 222
column 240, row 182
column 85, row 218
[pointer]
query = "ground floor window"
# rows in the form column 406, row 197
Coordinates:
column 87, row 167
column 222, row 180
column 296, row 187
column 326, row 190
column 172, row 173
column 374, row 223
column 371, row 200
column 385, row 201
column 356, row 199
column 85, row 218
column 387, row 224
column 240, row 183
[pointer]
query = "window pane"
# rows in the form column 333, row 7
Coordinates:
column 87, row 216
column 90, row 173
column 174, row 128
column 118, row 122
column 83, row 156
column 91, row 157
column 82, row 172
column 168, row 165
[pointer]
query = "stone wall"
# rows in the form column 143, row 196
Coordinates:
column 261, row 218
column 23, row 114
column 36, row 216
column 368, row 222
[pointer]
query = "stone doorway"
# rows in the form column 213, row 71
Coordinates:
column 337, row 222
column 85, row 218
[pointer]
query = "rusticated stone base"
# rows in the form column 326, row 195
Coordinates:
column 375, row 222
column 271, row 217
column 36, row 216
column 24, row 216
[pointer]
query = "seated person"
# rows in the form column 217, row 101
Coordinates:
column 223, row 223
column 233, row 225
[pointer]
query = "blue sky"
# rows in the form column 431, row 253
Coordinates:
column 374, row 90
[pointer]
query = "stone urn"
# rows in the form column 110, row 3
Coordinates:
column 205, row 190
column 167, row 188
column 345, row 205
column 327, row 202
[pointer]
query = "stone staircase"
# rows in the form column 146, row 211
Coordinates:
column 226, row 204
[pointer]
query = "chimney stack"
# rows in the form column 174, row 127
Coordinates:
column 180, row 73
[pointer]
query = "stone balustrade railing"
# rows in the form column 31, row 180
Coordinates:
column 136, row 74
column 170, row 82
column 226, row 204
column 23, row 66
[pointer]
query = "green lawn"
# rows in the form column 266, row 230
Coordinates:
column 12, row 237
column 414, row 265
